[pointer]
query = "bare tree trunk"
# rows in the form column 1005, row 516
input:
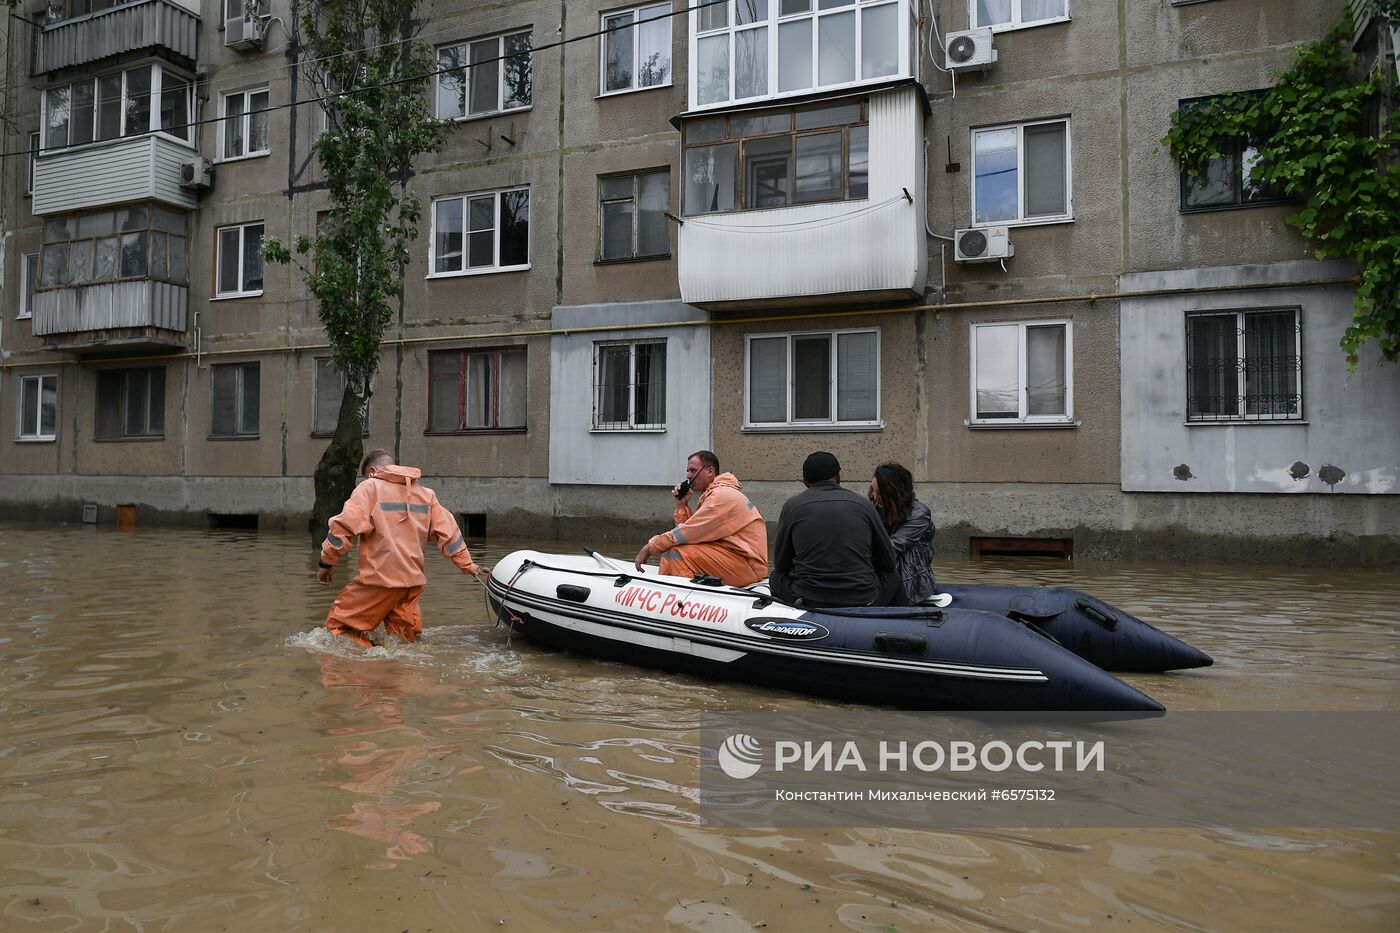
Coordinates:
column 338, row 468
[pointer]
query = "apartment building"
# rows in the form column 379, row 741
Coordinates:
column 941, row 232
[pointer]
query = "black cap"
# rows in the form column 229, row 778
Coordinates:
column 820, row 466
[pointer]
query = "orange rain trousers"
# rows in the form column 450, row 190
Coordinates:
column 686, row 560
column 360, row 608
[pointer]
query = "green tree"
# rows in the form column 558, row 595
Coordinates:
column 364, row 58
column 1327, row 135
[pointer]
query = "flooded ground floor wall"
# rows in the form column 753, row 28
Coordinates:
column 1100, row 520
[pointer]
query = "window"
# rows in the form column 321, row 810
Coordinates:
column 1022, row 373
column 118, row 104
column 792, row 46
column 814, row 379
column 484, row 76
column 58, row 10
column 234, row 391
column 476, row 390
column 240, row 261
column 629, row 385
column 144, row 242
column 28, row 278
column 1013, row 14
column 775, row 158
column 637, row 49
column 38, row 407
column 488, row 232
column 1022, row 173
column 131, row 403
column 243, row 124
column 330, row 389
column 35, row 144
column 1244, row 366
column 632, row 215
column 1227, row 181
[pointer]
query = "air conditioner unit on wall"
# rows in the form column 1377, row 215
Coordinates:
column 196, row 173
column 245, row 32
column 982, row 244
column 970, row 49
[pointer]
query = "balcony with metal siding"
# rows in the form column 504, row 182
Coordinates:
column 160, row 25
column 111, row 317
column 118, row 171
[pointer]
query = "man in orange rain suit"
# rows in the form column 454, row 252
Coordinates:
column 394, row 517
column 724, row 536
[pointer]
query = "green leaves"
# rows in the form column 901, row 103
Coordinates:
column 1319, row 135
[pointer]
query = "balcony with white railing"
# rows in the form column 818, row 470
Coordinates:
column 82, row 33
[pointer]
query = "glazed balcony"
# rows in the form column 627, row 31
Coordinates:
column 83, row 38
column 813, row 203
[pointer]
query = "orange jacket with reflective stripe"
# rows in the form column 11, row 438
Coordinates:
column 394, row 517
column 724, row 516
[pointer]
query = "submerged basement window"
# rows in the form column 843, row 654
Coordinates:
column 233, row 520
column 1022, row 547
column 473, row 524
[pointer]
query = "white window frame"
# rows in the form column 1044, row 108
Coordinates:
column 465, row 46
column 1021, row 220
column 246, row 120
column 242, row 245
column 21, row 397
column 792, row 423
column 636, row 12
column 28, row 281
column 1023, row 418
column 906, row 12
column 631, row 424
column 466, row 245
column 1016, row 22
column 157, row 70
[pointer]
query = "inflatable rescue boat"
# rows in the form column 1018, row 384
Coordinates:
column 922, row 657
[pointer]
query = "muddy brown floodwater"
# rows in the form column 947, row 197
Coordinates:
column 181, row 748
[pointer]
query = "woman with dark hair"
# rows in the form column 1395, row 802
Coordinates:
column 910, row 524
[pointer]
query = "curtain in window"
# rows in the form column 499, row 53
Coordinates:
column 109, row 412
column 1033, row 10
column 856, row 377
column 444, row 389
column 651, row 383
column 767, row 380
column 512, row 394
column 1045, row 170
column 1045, row 370
column 614, row 372
column 1271, row 363
column 1211, row 369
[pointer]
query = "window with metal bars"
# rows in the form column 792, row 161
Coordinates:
column 1244, row 366
column 629, row 385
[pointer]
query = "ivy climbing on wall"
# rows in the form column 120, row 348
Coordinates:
column 1326, row 135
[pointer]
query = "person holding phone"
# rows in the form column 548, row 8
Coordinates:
column 723, row 536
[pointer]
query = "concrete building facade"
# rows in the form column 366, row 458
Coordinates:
column 941, row 233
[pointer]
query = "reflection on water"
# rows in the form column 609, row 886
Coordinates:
column 184, row 749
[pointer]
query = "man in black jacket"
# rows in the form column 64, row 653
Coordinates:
column 831, row 549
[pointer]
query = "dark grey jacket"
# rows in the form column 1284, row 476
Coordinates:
column 830, row 549
column 913, row 542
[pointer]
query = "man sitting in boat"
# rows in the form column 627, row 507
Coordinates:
column 723, row 536
column 832, row 549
